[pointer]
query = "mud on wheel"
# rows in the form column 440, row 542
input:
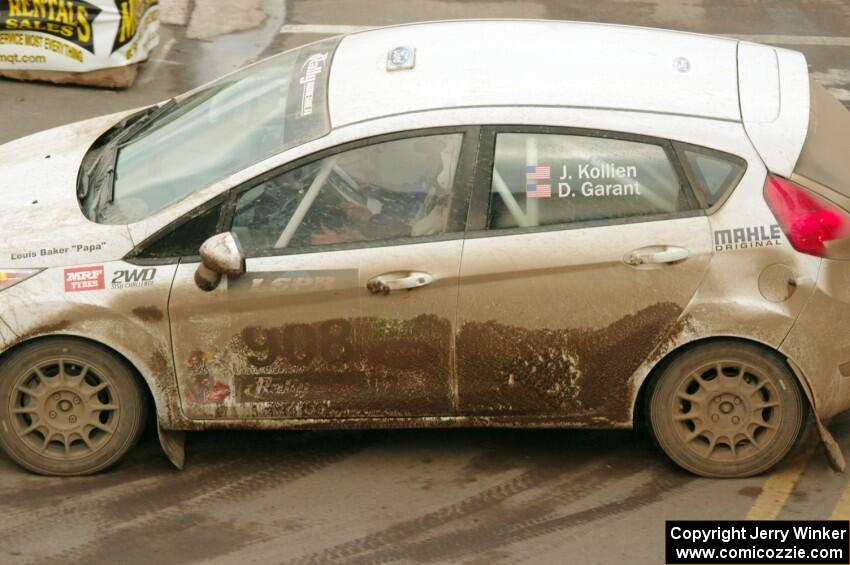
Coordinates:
column 68, row 407
column 726, row 409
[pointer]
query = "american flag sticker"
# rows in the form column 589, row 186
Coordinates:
column 537, row 173
column 538, row 190
column 533, row 189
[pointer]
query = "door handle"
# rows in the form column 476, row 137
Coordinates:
column 655, row 255
column 386, row 283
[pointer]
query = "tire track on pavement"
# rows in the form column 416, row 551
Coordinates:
column 395, row 542
column 126, row 521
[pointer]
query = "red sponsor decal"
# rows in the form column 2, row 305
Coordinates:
column 202, row 390
column 217, row 394
column 84, row 278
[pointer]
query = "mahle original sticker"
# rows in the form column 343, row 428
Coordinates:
column 748, row 237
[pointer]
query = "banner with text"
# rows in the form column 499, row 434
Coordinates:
column 76, row 35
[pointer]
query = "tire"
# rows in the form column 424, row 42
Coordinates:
column 726, row 409
column 68, row 407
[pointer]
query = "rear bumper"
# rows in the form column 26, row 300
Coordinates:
column 819, row 341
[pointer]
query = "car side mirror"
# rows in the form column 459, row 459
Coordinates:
column 220, row 255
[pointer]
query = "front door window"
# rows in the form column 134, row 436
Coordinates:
column 379, row 193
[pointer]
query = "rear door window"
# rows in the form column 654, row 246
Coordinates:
column 547, row 179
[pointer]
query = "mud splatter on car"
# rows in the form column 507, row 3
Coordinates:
column 580, row 373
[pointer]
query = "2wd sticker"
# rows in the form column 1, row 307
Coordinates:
column 84, row 278
column 133, row 278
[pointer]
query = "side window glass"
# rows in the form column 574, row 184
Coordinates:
column 186, row 239
column 387, row 191
column 713, row 172
column 545, row 179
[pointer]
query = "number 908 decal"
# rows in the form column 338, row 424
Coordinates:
column 300, row 344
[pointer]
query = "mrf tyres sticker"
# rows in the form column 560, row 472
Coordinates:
column 76, row 35
column 80, row 279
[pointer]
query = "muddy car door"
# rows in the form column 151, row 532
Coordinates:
column 348, row 304
column 583, row 249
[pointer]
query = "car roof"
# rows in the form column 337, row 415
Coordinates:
column 534, row 63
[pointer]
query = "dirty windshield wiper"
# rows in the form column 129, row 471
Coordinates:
column 143, row 122
column 99, row 175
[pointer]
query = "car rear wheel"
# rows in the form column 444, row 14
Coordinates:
column 68, row 407
column 726, row 409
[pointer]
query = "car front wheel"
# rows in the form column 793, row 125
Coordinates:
column 68, row 407
column 726, row 409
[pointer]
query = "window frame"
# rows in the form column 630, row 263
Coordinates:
column 464, row 182
column 479, row 210
column 466, row 166
column 137, row 255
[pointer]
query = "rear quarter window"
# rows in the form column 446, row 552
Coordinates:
column 711, row 172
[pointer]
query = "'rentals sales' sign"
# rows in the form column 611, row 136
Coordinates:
column 76, row 35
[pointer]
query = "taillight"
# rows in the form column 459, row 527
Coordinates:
column 807, row 220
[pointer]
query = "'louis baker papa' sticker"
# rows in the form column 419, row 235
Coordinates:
column 538, row 181
column 51, row 251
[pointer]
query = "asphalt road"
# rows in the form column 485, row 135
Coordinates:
column 457, row 496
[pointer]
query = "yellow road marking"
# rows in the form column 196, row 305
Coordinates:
column 842, row 507
column 779, row 486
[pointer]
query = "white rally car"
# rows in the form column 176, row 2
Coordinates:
column 480, row 223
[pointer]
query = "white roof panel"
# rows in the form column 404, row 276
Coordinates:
column 547, row 63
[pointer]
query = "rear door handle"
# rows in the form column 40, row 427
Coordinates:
column 386, row 283
column 655, row 255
